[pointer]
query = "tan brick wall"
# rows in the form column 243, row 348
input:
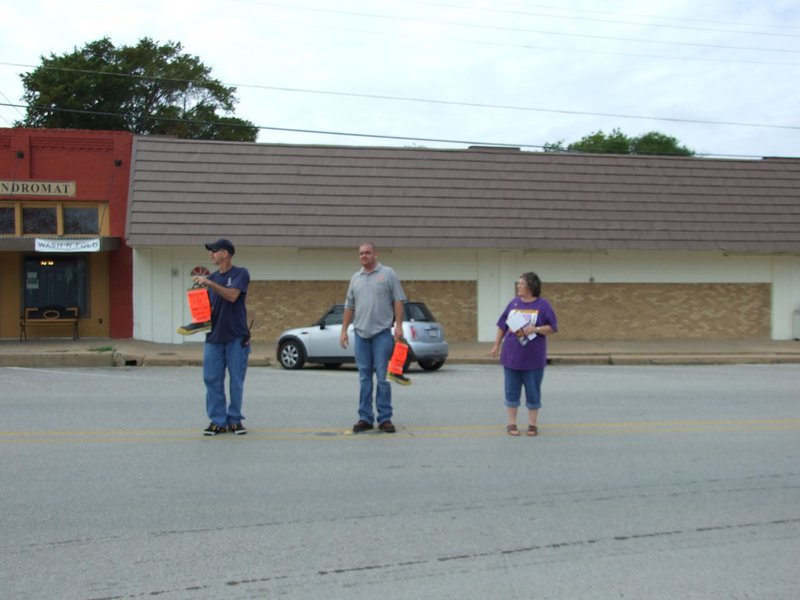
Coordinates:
column 586, row 311
column 278, row 305
column 590, row 311
column 453, row 303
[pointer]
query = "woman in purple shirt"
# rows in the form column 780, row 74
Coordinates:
column 522, row 330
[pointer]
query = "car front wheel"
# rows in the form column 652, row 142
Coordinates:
column 291, row 355
column 431, row 365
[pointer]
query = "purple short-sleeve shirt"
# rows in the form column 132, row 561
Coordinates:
column 533, row 355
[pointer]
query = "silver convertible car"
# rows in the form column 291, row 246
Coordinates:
column 319, row 343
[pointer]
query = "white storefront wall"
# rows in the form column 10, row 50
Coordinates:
column 162, row 275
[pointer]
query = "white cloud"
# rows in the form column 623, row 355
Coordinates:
column 597, row 58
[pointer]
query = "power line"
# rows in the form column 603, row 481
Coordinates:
column 419, row 100
column 582, row 11
column 8, row 100
column 522, row 108
column 270, row 128
column 516, row 29
column 494, row 9
column 686, row 19
column 350, row 133
column 592, row 51
column 524, row 46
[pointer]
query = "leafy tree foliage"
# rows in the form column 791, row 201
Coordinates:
column 617, row 142
column 146, row 89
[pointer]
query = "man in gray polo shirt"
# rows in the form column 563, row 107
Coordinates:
column 374, row 299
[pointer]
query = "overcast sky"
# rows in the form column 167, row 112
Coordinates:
column 722, row 76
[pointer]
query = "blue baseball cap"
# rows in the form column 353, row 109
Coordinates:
column 221, row 244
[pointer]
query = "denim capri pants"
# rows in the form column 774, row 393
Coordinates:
column 531, row 379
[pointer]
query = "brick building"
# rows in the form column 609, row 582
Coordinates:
column 63, row 201
column 628, row 247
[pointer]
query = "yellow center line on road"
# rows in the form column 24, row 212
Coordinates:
column 700, row 426
column 428, row 431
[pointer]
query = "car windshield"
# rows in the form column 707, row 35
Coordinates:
column 418, row 312
column 335, row 316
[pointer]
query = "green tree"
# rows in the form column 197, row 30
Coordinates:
column 617, row 142
column 146, row 89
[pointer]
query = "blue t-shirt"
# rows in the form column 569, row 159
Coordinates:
column 228, row 319
column 533, row 355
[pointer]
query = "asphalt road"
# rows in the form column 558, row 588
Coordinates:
column 646, row 482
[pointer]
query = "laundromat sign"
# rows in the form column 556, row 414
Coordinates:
column 63, row 189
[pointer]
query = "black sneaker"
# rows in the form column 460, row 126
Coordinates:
column 237, row 428
column 362, row 425
column 213, row 429
column 387, row 427
column 193, row 328
column 401, row 379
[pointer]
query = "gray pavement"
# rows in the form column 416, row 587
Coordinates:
column 116, row 352
column 647, row 481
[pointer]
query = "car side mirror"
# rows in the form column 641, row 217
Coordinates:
column 322, row 325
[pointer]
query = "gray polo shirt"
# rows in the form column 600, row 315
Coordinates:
column 372, row 296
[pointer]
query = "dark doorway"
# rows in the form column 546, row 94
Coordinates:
column 51, row 280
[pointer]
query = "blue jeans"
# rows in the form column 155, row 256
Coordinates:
column 372, row 356
column 216, row 359
column 531, row 379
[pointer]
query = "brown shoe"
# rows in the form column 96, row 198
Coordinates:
column 362, row 425
column 387, row 427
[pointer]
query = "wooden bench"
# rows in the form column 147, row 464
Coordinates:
column 49, row 315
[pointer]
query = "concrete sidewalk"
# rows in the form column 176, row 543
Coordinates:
column 114, row 352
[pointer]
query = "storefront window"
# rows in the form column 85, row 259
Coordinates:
column 39, row 220
column 49, row 219
column 6, row 220
column 55, row 281
column 80, row 221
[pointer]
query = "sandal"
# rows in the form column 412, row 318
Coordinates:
column 533, row 431
column 512, row 430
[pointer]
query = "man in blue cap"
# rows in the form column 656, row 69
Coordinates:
column 227, row 345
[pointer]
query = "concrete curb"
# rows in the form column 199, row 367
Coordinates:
column 134, row 353
column 47, row 361
column 676, row 359
column 649, row 359
column 124, row 359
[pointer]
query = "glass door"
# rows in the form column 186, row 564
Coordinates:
column 51, row 280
